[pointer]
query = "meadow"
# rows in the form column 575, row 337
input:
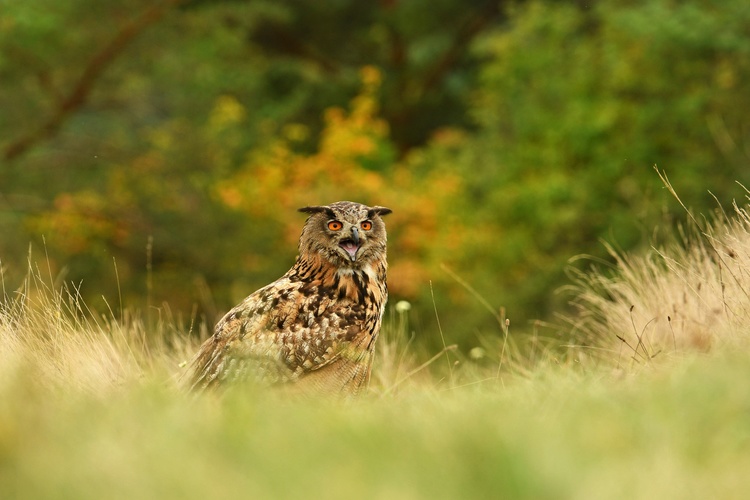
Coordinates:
column 643, row 394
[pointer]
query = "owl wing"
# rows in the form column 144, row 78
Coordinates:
column 281, row 334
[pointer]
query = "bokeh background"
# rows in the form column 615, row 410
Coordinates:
column 153, row 154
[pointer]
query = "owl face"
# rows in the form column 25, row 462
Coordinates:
column 347, row 234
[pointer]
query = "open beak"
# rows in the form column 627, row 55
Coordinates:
column 351, row 245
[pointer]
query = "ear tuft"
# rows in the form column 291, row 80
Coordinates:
column 378, row 211
column 312, row 210
column 318, row 210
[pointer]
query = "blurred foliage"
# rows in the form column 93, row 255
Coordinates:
column 158, row 151
column 577, row 106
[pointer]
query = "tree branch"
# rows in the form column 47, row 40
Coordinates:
column 91, row 73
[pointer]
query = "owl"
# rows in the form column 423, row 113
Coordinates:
column 314, row 328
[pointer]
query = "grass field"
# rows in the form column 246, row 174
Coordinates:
column 649, row 400
column 682, row 431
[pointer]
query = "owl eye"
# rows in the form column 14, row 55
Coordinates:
column 366, row 225
column 335, row 225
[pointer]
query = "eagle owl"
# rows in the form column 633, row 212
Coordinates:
column 316, row 326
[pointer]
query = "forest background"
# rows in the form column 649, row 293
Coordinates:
column 154, row 154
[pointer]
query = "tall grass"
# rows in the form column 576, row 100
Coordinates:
column 689, row 295
column 51, row 336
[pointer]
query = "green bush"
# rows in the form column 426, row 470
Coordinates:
column 575, row 108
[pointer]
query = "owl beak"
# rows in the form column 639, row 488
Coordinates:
column 351, row 245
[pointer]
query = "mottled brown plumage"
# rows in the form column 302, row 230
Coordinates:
column 316, row 326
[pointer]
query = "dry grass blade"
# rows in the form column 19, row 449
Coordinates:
column 54, row 335
column 672, row 299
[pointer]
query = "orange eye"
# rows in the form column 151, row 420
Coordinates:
column 335, row 225
column 366, row 225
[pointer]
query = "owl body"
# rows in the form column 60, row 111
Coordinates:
column 316, row 326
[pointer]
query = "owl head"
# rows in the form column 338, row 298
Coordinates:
column 345, row 233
